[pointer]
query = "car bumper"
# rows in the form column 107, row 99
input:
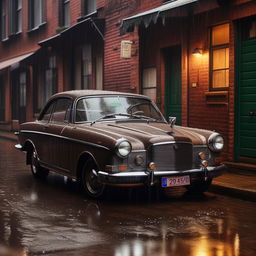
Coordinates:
column 154, row 177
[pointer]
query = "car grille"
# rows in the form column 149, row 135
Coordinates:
column 170, row 157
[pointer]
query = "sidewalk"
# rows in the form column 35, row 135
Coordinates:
column 8, row 135
column 240, row 184
column 236, row 183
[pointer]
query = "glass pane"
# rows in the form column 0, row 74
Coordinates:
column 151, row 93
column 149, row 77
column 91, row 109
column 221, row 58
column 220, row 78
column 60, row 110
column 220, row 34
column 47, row 113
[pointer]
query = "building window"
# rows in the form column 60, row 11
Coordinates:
column 87, row 66
column 65, row 13
column 23, row 90
column 2, row 99
column 36, row 13
column 89, row 6
column 50, row 79
column 149, row 83
column 220, row 57
column 3, row 23
column 15, row 16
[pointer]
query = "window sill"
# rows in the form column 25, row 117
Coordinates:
column 216, row 98
column 36, row 28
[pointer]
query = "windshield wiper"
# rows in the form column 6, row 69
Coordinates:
column 113, row 115
column 104, row 117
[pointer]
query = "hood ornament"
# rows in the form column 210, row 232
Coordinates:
column 172, row 121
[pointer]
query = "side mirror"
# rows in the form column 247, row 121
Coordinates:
column 172, row 120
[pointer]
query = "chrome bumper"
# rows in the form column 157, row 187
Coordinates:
column 153, row 177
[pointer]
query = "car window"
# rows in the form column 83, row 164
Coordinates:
column 61, row 111
column 45, row 117
column 93, row 108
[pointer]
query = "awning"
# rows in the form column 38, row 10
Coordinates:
column 15, row 60
column 87, row 24
column 151, row 15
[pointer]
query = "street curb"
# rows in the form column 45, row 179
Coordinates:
column 8, row 137
column 233, row 192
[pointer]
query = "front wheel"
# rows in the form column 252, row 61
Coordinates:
column 89, row 180
column 37, row 171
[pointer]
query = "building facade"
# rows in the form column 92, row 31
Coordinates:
column 195, row 58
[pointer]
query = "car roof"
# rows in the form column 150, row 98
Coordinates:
column 74, row 94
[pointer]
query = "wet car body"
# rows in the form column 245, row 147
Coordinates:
column 105, row 138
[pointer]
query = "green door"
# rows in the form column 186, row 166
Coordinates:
column 246, row 91
column 172, row 58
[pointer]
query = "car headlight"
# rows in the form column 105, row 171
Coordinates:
column 123, row 148
column 216, row 142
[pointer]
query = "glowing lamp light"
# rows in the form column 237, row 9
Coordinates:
column 197, row 52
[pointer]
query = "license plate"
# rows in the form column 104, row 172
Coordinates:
column 175, row 181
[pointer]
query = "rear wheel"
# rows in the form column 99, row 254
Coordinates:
column 36, row 169
column 89, row 180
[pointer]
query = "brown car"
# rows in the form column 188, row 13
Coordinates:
column 108, row 138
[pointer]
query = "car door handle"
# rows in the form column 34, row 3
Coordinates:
column 46, row 127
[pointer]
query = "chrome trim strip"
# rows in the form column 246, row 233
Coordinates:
column 18, row 146
column 53, row 167
column 171, row 142
column 156, row 173
column 66, row 138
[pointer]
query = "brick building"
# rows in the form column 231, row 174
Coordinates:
column 195, row 58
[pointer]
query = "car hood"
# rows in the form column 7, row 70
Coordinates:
column 143, row 134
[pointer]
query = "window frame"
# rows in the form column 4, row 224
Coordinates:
column 15, row 17
column 31, row 15
column 85, row 11
column 62, row 17
column 217, row 47
column 3, row 20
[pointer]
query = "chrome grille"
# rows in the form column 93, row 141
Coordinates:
column 172, row 156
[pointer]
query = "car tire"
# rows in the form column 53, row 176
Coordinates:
column 88, row 180
column 199, row 187
column 37, row 171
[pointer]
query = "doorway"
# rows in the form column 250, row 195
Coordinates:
column 245, row 135
column 18, row 82
column 172, row 60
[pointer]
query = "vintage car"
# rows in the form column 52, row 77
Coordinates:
column 105, row 138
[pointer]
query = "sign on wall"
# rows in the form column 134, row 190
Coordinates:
column 126, row 49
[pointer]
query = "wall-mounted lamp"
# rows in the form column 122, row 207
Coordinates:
column 197, row 52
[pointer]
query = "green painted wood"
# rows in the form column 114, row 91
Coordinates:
column 247, row 75
column 246, row 99
column 248, row 57
column 247, row 83
column 172, row 57
column 249, row 49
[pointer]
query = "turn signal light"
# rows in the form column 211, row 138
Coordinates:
column 152, row 166
column 122, row 167
column 205, row 163
column 202, row 155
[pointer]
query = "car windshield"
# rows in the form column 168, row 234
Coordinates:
column 119, row 107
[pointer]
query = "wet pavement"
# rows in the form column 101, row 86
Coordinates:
column 52, row 218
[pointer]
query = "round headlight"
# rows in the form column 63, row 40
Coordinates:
column 123, row 148
column 216, row 142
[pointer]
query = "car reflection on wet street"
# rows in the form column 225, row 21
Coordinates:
column 52, row 218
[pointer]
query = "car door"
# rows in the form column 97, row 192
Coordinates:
column 42, row 139
column 58, row 147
